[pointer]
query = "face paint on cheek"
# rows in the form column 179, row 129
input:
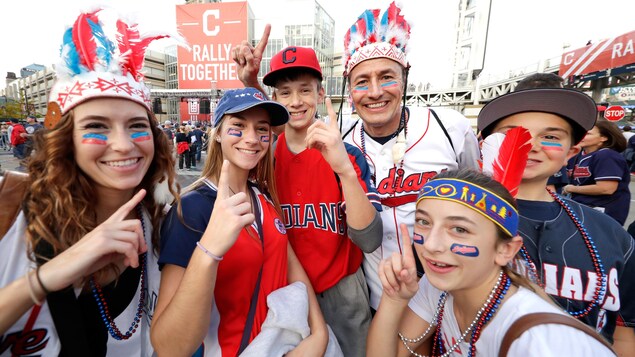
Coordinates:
column 466, row 250
column 360, row 88
column 417, row 238
column 264, row 138
column 551, row 146
column 234, row 132
column 96, row 139
column 139, row 137
column 389, row 84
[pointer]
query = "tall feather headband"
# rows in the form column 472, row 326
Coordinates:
column 375, row 36
column 92, row 67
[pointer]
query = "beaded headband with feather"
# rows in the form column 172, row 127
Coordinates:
column 91, row 67
column 372, row 36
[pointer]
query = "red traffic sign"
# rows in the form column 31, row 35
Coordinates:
column 614, row 113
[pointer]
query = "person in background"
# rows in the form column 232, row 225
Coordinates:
column 4, row 137
column 199, row 134
column 182, row 147
column 469, row 295
column 404, row 146
column 224, row 247
column 18, row 139
column 626, row 131
column 601, row 176
column 580, row 256
column 30, row 128
column 78, row 267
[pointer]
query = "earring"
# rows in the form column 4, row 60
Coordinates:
column 218, row 139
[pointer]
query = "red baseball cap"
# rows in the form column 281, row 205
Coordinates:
column 292, row 58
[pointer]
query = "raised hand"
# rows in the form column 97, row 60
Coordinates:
column 248, row 59
column 398, row 273
column 232, row 212
column 327, row 139
column 117, row 240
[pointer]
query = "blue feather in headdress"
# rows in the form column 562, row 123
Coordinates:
column 69, row 54
column 105, row 48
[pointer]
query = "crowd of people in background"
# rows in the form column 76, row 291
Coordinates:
column 404, row 234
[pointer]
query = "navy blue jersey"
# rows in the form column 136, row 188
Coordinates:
column 559, row 179
column 564, row 263
column 604, row 165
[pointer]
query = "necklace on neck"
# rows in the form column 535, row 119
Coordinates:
column 398, row 149
column 601, row 279
column 103, row 305
column 483, row 316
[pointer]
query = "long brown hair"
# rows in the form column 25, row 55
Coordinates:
column 60, row 202
column 614, row 138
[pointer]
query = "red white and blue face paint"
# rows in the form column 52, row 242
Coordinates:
column 417, row 238
column 139, row 137
column 465, row 250
column 360, row 88
column 234, row 132
column 96, row 139
column 546, row 145
column 389, row 84
column 265, row 138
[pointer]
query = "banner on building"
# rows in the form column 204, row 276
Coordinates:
column 211, row 30
column 606, row 54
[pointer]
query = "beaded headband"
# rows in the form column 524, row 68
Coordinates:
column 90, row 67
column 372, row 36
column 475, row 197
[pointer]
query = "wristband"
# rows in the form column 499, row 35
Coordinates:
column 32, row 291
column 209, row 254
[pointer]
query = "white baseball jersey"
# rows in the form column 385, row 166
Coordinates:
column 428, row 152
column 541, row 340
column 40, row 336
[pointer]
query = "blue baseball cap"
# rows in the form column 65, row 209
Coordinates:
column 238, row 100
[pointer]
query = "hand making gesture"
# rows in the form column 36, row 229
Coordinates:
column 117, row 240
column 248, row 59
column 327, row 139
column 398, row 273
column 231, row 213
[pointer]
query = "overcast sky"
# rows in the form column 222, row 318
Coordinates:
column 521, row 32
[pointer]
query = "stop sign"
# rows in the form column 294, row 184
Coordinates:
column 614, row 113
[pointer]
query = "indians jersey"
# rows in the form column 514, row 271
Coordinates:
column 237, row 273
column 565, row 265
column 35, row 334
column 604, row 165
column 428, row 152
column 313, row 211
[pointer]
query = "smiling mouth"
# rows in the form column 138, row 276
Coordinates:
column 297, row 114
column 250, row 152
column 376, row 105
column 122, row 163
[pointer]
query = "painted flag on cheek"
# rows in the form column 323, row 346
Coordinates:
column 96, row 139
column 139, row 137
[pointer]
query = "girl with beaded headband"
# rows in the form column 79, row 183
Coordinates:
column 465, row 226
column 224, row 248
column 83, row 250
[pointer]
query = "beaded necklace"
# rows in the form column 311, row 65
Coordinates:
column 103, row 306
column 601, row 279
column 400, row 141
column 484, row 315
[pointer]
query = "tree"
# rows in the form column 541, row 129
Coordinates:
column 11, row 110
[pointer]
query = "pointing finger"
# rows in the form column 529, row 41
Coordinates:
column 260, row 47
column 223, row 185
column 407, row 244
column 331, row 113
column 125, row 209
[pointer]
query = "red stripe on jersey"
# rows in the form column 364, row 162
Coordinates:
column 399, row 200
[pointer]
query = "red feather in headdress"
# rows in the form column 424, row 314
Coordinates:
column 506, row 159
column 133, row 47
column 83, row 39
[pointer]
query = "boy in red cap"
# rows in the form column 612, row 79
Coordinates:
column 318, row 176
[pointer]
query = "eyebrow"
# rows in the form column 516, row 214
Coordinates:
column 449, row 218
column 542, row 130
column 260, row 121
column 104, row 118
